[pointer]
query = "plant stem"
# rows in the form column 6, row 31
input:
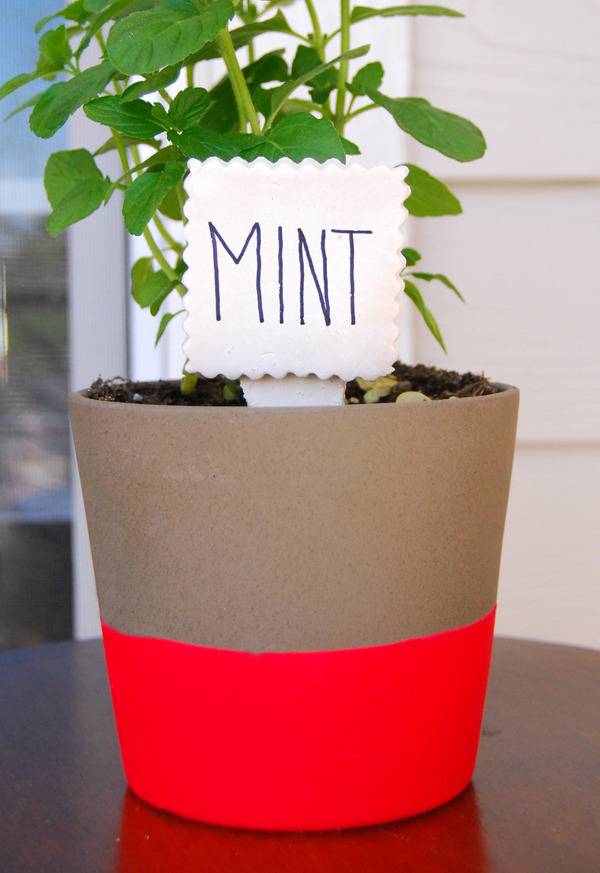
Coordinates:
column 188, row 382
column 239, row 102
column 159, row 257
column 189, row 75
column 158, row 223
column 251, row 54
column 340, row 105
column 360, row 111
column 181, row 200
column 294, row 104
column 317, row 32
column 120, row 150
column 101, row 42
column 245, row 106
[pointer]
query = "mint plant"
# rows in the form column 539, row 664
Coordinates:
column 270, row 105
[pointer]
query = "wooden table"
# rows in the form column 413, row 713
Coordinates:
column 533, row 807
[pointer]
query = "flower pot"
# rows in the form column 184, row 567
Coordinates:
column 297, row 604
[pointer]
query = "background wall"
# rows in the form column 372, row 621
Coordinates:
column 525, row 254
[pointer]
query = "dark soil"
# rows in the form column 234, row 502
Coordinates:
column 434, row 383
column 208, row 392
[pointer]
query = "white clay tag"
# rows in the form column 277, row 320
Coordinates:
column 293, row 391
column 293, row 268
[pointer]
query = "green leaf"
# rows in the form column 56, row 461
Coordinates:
column 145, row 194
column 75, row 188
column 75, row 11
column 104, row 10
column 429, row 196
column 261, row 97
column 31, row 102
column 164, row 322
column 95, row 5
column 54, row 52
column 301, row 135
column 160, row 114
column 411, row 256
column 368, row 78
column 19, row 81
column 350, row 147
column 298, row 136
column 281, row 94
column 167, row 155
column 450, row 134
column 72, row 12
column 156, row 161
column 170, row 206
column 417, row 298
column 54, row 49
column 361, row 13
column 222, row 114
column 188, row 107
column 110, row 10
column 146, row 41
column 134, row 118
column 63, row 98
column 151, row 83
column 151, row 287
column 440, row 277
column 110, row 145
column 241, row 36
column 140, row 272
column 277, row 24
column 202, row 143
column 271, row 67
column 41, row 24
column 306, row 59
column 160, row 299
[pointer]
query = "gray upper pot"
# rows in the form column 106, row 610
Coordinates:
column 295, row 529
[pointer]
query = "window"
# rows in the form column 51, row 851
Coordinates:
column 35, row 506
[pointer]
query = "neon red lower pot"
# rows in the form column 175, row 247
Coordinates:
column 297, row 604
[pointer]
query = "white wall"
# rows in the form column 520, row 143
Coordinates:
column 97, row 341
column 525, row 255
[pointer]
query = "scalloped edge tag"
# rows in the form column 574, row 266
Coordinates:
column 293, row 268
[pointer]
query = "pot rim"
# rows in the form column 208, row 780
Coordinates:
column 79, row 398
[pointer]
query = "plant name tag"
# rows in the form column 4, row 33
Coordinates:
column 293, row 268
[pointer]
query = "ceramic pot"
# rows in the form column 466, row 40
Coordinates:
column 297, row 604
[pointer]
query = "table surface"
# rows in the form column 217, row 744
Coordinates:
column 533, row 806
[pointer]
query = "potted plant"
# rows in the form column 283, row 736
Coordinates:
column 297, row 604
